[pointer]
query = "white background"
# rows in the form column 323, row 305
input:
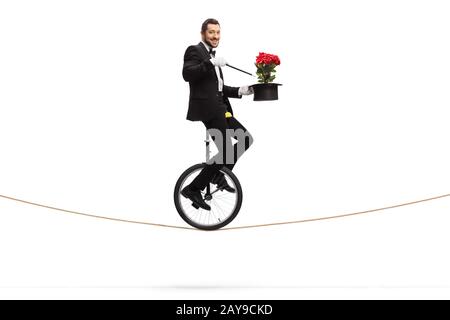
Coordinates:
column 92, row 119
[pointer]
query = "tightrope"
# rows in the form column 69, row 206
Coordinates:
column 229, row 228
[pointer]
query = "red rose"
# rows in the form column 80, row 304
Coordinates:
column 266, row 58
column 265, row 64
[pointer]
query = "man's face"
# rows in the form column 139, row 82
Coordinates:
column 212, row 35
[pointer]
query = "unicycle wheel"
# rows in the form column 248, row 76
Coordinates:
column 224, row 205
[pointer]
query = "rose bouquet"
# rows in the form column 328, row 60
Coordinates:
column 265, row 70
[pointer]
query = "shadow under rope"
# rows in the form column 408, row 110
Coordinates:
column 229, row 228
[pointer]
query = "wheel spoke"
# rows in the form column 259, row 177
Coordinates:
column 213, row 213
column 222, row 211
column 217, row 208
column 226, row 199
column 229, row 206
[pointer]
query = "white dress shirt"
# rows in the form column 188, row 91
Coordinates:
column 219, row 79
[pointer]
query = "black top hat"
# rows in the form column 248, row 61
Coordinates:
column 265, row 91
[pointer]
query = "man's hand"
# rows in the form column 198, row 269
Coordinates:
column 218, row 62
column 245, row 90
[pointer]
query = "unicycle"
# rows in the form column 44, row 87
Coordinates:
column 224, row 205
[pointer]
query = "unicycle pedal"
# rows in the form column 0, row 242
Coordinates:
column 196, row 206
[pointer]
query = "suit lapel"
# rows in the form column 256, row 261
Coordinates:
column 204, row 50
column 207, row 56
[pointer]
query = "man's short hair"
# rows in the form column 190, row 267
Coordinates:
column 208, row 21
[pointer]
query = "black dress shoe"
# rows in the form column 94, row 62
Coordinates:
column 195, row 197
column 221, row 182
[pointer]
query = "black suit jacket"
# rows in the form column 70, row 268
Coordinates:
column 204, row 103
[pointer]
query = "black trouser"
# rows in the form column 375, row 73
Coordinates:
column 228, row 153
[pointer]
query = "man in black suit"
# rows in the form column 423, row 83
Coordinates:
column 208, row 102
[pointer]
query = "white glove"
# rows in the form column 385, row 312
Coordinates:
column 245, row 90
column 218, row 62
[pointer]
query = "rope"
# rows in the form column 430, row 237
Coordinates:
column 340, row 215
column 94, row 215
column 230, row 228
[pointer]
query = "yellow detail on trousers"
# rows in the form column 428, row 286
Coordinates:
column 228, row 115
